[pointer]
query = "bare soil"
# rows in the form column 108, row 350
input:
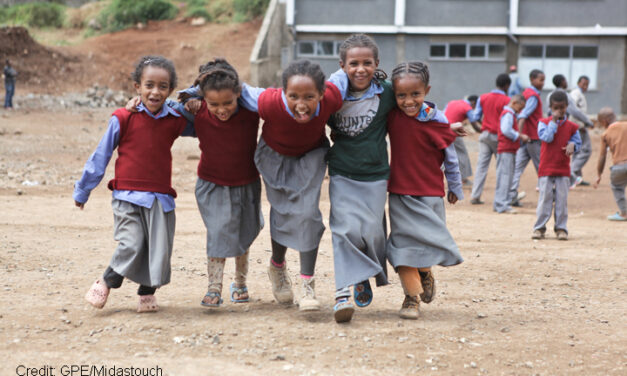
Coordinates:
column 514, row 307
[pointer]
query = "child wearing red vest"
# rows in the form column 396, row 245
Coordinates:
column 509, row 142
column 421, row 141
column 528, row 124
column 560, row 139
column 491, row 105
column 457, row 111
column 143, row 198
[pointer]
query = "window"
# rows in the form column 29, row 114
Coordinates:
column 467, row 51
column 570, row 60
column 322, row 48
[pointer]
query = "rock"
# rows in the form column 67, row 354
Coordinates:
column 216, row 340
column 481, row 315
column 198, row 21
column 94, row 24
column 278, row 358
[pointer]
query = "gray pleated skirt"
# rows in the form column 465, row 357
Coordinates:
column 145, row 239
column 357, row 222
column 232, row 216
column 293, row 190
column 418, row 234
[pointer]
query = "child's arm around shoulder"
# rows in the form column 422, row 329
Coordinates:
column 97, row 163
column 249, row 98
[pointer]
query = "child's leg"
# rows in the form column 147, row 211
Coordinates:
column 146, row 290
column 618, row 182
column 308, row 301
column 308, row 263
column 522, row 159
column 277, row 272
column 239, row 291
column 504, row 171
column 487, row 147
column 112, row 279
column 215, row 274
column 562, row 183
column 278, row 254
column 410, row 280
column 545, row 203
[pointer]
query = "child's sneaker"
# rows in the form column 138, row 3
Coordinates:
column 98, row 293
column 410, row 308
column 281, row 284
column 428, row 286
column 147, row 303
column 561, row 235
column 308, row 301
column 537, row 234
column 343, row 310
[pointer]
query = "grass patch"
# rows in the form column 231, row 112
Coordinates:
column 122, row 14
column 38, row 14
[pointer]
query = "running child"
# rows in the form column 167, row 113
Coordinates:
column 143, row 197
column 509, row 142
column 421, row 142
column 528, row 124
column 560, row 139
column 491, row 105
column 457, row 111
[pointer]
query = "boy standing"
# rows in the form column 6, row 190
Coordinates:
column 491, row 105
column 615, row 137
column 9, row 84
column 528, row 124
column 509, row 142
column 560, row 139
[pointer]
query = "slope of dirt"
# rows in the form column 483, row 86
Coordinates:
column 109, row 59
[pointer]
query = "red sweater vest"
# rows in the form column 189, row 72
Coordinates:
column 227, row 148
column 144, row 159
column 456, row 111
column 531, row 123
column 417, row 154
column 492, row 105
column 505, row 144
column 553, row 160
column 283, row 134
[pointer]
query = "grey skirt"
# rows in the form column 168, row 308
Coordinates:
column 232, row 216
column 418, row 234
column 145, row 239
column 293, row 190
column 357, row 222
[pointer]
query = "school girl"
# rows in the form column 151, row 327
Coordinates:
column 421, row 141
column 143, row 197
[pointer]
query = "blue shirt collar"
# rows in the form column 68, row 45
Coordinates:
column 284, row 98
column 429, row 112
column 165, row 111
column 508, row 108
column 498, row 91
column 558, row 122
column 374, row 89
column 534, row 89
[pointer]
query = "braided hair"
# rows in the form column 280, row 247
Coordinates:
column 417, row 68
column 362, row 40
column 154, row 61
column 305, row 68
column 218, row 75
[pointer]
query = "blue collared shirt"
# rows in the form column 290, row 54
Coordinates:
column 507, row 124
column 429, row 112
column 97, row 164
column 546, row 132
column 478, row 111
column 339, row 78
column 530, row 105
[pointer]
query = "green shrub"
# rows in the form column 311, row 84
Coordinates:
column 34, row 15
column 221, row 10
column 246, row 10
column 121, row 14
column 194, row 12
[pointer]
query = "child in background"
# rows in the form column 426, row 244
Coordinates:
column 143, row 198
column 614, row 138
column 560, row 139
column 421, row 142
column 457, row 111
column 528, row 124
column 491, row 105
column 509, row 142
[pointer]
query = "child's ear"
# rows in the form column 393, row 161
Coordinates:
column 427, row 90
column 341, row 64
column 137, row 86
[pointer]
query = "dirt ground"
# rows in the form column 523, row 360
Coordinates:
column 514, row 307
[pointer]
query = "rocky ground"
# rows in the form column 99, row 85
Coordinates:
column 514, row 307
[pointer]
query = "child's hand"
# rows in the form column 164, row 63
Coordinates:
column 182, row 97
column 596, row 183
column 132, row 104
column 452, row 198
column 524, row 138
column 192, row 106
column 459, row 129
column 569, row 149
column 79, row 204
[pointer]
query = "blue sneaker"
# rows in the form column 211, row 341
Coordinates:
column 362, row 292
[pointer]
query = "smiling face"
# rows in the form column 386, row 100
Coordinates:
column 558, row 109
column 359, row 65
column 302, row 97
column 154, row 88
column 410, row 93
column 221, row 103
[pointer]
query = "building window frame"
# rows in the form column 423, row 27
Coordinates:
column 318, row 49
column 468, row 48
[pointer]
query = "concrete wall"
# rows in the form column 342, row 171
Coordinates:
column 611, row 76
column 457, row 12
column 572, row 12
column 338, row 12
column 274, row 37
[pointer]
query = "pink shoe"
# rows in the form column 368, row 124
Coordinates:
column 98, row 294
column 147, row 303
